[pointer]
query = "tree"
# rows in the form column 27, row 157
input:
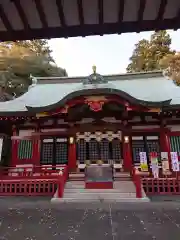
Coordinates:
column 19, row 60
column 147, row 54
column 171, row 65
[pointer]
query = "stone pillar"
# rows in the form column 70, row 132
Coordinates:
column 127, row 153
column 72, row 155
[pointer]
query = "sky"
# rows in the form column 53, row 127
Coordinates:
column 110, row 53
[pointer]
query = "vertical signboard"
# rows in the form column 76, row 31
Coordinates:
column 175, row 161
column 143, row 161
column 165, row 163
column 154, row 164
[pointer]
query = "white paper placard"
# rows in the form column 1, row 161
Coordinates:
column 1, row 146
column 143, row 161
column 154, row 164
column 143, row 157
column 164, row 155
column 165, row 163
column 175, row 161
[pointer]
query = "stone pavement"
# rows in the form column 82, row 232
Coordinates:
column 36, row 218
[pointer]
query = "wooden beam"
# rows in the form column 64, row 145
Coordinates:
column 160, row 14
column 101, row 12
column 5, row 19
column 61, row 13
column 41, row 13
column 80, row 12
column 22, row 14
column 177, row 20
column 141, row 9
column 121, row 10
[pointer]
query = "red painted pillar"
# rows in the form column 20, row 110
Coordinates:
column 14, row 151
column 36, row 151
column 165, row 144
column 127, row 156
column 36, row 148
column 72, row 155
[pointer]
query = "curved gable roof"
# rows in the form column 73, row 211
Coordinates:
column 144, row 88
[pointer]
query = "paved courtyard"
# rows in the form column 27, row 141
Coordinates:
column 30, row 219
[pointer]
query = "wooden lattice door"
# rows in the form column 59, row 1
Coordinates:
column 47, row 151
column 153, row 145
column 54, row 151
column 138, row 146
column 61, row 151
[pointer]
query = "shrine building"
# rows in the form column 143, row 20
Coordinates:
column 80, row 120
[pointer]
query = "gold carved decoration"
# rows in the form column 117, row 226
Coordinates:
column 43, row 114
column 95, row 102
column 157, row 110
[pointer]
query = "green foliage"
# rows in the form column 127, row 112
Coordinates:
column 147, row 54
column 19, row 60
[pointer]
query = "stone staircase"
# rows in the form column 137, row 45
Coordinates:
column 123, row 191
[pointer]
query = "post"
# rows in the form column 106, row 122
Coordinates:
column 127, row 156
column 165, row 144
column 14, row 152
column 36, row 148
column 72, row 155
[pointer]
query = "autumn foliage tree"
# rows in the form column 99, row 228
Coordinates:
column 19, row 60
column 148, row 53
column 171, row 66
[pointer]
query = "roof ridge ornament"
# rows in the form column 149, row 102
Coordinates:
column 95, row 78
column 34, row 81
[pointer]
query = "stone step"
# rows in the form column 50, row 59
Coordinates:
column 83, row 190
column 80, row 200
column 99, row 196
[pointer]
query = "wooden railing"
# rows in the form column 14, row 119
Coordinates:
column 137, row 182
column 26, row 187
column 35, row 172
column 62, row 182
column 27, row 184
column 161, row 186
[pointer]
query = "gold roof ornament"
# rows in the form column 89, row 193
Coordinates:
column 94, row 78
column 94, row 69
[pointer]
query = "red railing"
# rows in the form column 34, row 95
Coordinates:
column 61, row 185
column 45, row 184
column 28, row 187
column 137, row 182
column 35, row 172
column 161, row 186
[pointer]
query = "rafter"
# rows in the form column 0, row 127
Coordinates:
column 177, row 20
column 22, row 14
column 80, row 12
column 101, row 11
column 5, row 19
column 41, row 13
column 121, row 10
column 61, row 13
column 160, row 14
column 141, row 12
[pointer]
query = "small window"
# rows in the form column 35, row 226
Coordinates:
column 25, row 149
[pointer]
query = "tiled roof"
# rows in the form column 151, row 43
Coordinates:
column 149, row 87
